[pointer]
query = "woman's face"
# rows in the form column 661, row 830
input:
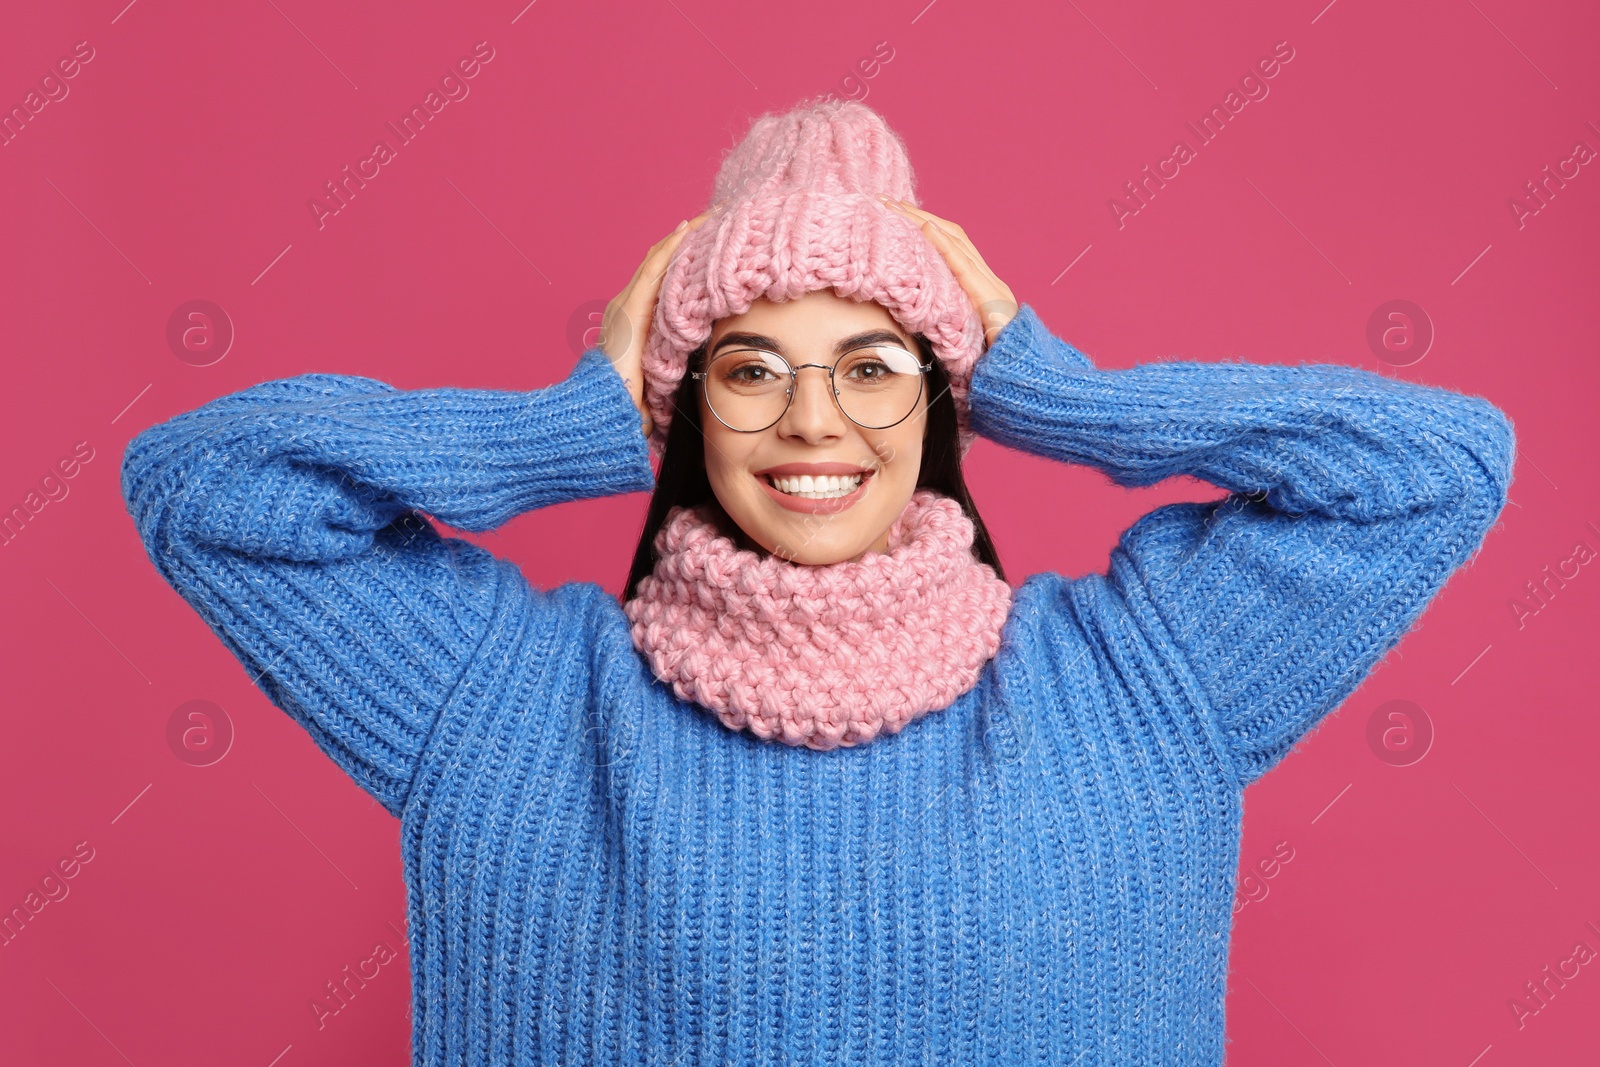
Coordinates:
column 812, row 433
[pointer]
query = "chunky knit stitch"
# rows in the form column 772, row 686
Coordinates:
column 822, row 656
column 600, row 873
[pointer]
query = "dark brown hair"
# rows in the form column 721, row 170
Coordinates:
column 682, row 479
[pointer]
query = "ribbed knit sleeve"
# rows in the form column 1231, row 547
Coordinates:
column 1352, row 497
column 290, row 516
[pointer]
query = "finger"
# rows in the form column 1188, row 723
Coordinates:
column 670, row 238
column 643, row 297
column 956, row 237
column 983, row 287
column 677, row 231
column 682, row 229
column 963, row 259
column 656, row 251
column 922, row 213
column 664, row 247
column 904, row 205
column 944, row 224
column 943, row 227
column 960, row 255
column 655, row 263
column 637, row 299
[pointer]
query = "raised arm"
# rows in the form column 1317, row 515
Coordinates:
column 1352, row 497
column 288, row 516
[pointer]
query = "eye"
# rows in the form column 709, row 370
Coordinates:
column 751, row 366
column 749, row 372
column 878, row 364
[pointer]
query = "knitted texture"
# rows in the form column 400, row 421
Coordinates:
column 821, row 656
column 599, row 872
column 795, row 208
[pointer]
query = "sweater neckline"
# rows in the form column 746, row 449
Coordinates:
column 827, row 656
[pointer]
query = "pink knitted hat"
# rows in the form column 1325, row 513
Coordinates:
column 795, row 208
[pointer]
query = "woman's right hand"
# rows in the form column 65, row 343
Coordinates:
column 626, row 322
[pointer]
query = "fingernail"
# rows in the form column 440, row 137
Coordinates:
column 682, row 224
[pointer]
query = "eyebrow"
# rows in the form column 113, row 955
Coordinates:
column 859, row 340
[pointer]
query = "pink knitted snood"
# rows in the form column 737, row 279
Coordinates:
column 822, row 656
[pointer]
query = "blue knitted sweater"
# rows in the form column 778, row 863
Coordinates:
column 600, row 873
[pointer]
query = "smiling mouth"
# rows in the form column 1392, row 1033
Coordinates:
column 817, row 487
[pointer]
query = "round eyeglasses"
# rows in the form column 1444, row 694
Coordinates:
column 750, row 389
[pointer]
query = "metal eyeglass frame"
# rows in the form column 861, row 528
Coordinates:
column 794, row 379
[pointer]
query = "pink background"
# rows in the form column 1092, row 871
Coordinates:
column 1381, row 165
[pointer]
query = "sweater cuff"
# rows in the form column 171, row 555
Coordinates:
column 601, row 396
column 1019, row 362
column 1021, row 346
column 583, row 438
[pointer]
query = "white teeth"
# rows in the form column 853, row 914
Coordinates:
column 818, row 487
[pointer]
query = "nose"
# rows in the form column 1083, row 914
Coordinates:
column 814, row 412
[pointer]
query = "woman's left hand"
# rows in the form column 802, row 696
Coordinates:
column 992, row 297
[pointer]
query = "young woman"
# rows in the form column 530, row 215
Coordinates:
column 822, row 788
